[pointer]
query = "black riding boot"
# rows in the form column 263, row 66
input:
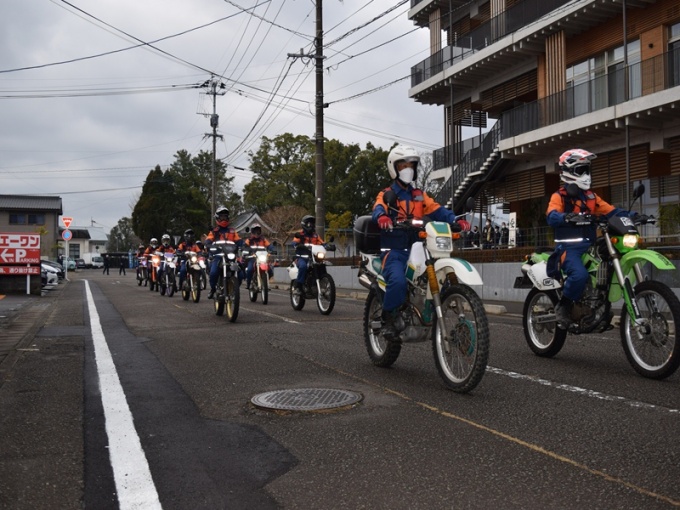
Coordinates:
column 389, row 329
column 563, row 312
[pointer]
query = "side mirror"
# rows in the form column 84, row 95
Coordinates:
column 390, row 198
column 469, row 204
column 638, row 191
column 331, row 239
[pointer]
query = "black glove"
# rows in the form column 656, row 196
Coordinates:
column 455, row 227
column 642, row 219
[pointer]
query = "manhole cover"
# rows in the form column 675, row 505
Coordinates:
column 306, row 399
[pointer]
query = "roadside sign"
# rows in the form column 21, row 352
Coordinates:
column 20, row 270
column 17, row 248
column 66, row 235
column 67, row 220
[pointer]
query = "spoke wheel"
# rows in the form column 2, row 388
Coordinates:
column 219, row 296
column 461, row 352
column 297, row 301
column 545, row 339
column 383, row 353
column 195, row 290
column 186, row 288
column 652, row 349
column 265, row 288
column 233, row 298
column 325, row 299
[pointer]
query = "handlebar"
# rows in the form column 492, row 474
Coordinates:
column 591, row 219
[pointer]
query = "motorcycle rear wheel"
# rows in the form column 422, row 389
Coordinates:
column 233, row 298
column 325, row 299
column 657, row 354
column 545, row 339
column 383, row 353
column 461, row 355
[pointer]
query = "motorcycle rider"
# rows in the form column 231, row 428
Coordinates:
column 256, row 240
column 152, row 248
column 188, row 244
column 572, row 240
column 307, row 235
column 395, row 244
column 221, row 232
column 165, row 247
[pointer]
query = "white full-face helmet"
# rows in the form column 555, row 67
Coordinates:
column 575, row 167
column 403, row 154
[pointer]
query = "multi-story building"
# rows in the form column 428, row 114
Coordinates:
column 550, row 75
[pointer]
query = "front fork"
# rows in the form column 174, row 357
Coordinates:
column 629, row 298
column 436, row 298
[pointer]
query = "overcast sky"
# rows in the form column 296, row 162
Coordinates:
column 88, row 108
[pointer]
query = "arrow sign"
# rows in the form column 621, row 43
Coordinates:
column 67, row 220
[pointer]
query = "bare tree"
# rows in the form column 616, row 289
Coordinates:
column 284, row 221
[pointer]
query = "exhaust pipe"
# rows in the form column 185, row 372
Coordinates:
column 365, row 281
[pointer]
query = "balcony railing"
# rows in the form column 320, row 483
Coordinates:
column 646, row 77
column 511, row 20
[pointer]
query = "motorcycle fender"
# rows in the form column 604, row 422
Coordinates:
column 465, row 272
column 628, row 261
column 538, row 274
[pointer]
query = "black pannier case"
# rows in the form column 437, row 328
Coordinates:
column 366, row 235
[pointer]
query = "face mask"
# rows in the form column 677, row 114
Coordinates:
column 406, row 175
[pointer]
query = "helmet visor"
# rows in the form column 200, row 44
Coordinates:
column 580, row 170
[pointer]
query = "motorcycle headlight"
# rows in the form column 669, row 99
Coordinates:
column 262, row 256
column 630, row 240
column 444, row 243
column 231, row 256
column 320, row 256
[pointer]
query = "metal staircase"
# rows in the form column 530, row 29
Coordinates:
column 469, row 176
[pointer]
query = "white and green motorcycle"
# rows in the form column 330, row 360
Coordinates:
column 440, row 304
column 650, row 311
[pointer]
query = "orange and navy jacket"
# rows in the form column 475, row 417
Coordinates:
column 184, row 247
column 223, row 234
column 411, row 203
column 301, row 238
column 257, row 242
column 587, row 202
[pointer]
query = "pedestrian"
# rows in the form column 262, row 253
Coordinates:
column 106, row 264
column 123, row 261
column 505, row 234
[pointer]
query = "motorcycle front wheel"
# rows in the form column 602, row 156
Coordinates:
column 252, row 291
column 195, row 290
column 186, row 288
column 653, row 349
column 265, row 288
column 233, row 298
column 297, row 301
column 171, row 284
column 543, row 336
column 325, row 298
column 461, row 353
column 219, row 296
column 383, row 353
column 140, row 279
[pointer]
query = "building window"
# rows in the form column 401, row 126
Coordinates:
column 674, row 54
column 598, row 82
column 26, row 219
column 74, row 250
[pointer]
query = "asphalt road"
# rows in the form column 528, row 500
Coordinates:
column 582, row 430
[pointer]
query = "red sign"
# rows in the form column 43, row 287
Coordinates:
column 67, row 220
column 14, row 270
column 17, row 248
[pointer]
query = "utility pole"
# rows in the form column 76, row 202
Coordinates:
column 320, row 211
column 214, row 85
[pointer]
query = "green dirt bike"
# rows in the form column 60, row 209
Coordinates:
column 650, row 309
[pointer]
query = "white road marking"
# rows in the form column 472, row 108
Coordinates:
column 582, row 391
column 134, row 485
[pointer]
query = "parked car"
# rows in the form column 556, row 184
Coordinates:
column 71, row 264
column 56, row 266
column 80, row 264
column 48, row 274
column 97, row 262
